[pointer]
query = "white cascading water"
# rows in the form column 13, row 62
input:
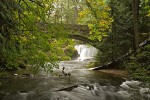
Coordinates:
column 86, row 52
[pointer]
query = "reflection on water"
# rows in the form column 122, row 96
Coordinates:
column 83, row 84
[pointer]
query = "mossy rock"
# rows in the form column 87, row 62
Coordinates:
column 71, row 52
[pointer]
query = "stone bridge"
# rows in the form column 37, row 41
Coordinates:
column 73, row 28
column 78, row 32
column 70, row 28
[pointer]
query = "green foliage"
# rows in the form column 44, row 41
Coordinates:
column 63, row 11
column 8, row 55
column 97, row 15
column 120, row 39
column 144, row 16
column 111, row 26
column 139, row 65
column 26, row 37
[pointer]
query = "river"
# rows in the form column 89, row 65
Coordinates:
column 82, row 84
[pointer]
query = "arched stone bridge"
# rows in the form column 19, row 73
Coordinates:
column 78, row 32
column 75, row 31
column 72, row 28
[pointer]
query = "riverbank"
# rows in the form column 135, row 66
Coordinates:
column 117, row 72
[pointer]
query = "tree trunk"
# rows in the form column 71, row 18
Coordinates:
column 112, row 32
column 75, row 12
column 135, row 9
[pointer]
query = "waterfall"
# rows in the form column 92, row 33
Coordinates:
column 86, row 52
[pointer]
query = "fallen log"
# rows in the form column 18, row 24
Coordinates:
column 68, row 88
column 117, row 61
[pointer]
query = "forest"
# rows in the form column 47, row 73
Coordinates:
column 34, row 32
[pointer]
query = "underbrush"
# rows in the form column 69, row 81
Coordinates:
column 138, row 64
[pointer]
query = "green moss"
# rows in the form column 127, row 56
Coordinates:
column 91, row 65
column 71, row 52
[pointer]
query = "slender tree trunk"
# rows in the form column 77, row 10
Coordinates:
column 112, row 33
column 135, row 9
column 75, row 13
column 67, row 16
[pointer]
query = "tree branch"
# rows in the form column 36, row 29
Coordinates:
column 91, row 8
column 37, row 2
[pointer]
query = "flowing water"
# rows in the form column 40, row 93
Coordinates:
column 86, row 52
column 82, row 84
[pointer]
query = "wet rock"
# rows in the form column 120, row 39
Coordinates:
column 145, row 92
column 27, row 75
column 130, row 84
